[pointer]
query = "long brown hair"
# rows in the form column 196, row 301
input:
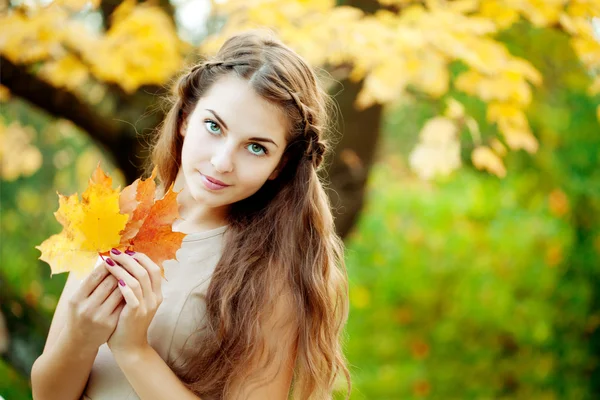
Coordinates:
column 284, row 233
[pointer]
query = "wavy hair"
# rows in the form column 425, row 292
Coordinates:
column 283, row 233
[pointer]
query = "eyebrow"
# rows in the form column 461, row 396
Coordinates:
column 254, row 139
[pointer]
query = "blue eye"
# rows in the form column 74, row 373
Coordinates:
column 256, row 149
column 212, row 127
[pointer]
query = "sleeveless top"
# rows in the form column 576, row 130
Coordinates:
column 179, row 315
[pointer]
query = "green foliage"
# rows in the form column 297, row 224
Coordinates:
column 456, row 281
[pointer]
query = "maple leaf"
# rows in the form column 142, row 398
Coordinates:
column 90, row 227
column 106, row 218
column 136, row 200
column 149, row 229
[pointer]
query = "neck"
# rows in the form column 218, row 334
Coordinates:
column 193, row 215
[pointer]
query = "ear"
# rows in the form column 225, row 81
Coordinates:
column 183, row 128
column 277, row 170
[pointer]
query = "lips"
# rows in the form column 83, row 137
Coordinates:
column 213, row 184
column 216, row 181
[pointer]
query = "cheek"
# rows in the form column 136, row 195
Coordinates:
column 254, row 177
column 194, row 146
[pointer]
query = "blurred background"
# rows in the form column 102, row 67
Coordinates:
column 465, row 179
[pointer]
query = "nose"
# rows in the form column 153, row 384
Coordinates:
column 222, row 159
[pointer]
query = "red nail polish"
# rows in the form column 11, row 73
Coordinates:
column 115, row 251
column 121, row 282
column 110, row 262
column 129, row 252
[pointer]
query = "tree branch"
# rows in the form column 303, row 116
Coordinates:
column 58, row 102
column 117, row 138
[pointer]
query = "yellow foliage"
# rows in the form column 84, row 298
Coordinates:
column 140, row 48
column 18, row 157
column 34, row 35
column 68, row 72
column 393, row 52
column 484, row 158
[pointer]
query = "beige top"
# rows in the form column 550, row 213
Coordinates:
column 179, row 315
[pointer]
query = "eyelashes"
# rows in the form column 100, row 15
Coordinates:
column 214, row 128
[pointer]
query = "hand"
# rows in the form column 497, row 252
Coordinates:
column 94, row 309
column 140, row 283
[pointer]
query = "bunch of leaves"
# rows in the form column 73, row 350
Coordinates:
column 398, row 48
column 107, row 218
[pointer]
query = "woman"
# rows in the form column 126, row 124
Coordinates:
column 255, row 304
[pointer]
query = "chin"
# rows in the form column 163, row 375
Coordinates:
column 209, row 200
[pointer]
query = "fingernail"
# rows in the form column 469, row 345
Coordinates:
column 129, row 252
column 115, row 251
column 121, row 282
column 110, row 262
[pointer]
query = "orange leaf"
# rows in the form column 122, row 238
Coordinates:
column 155, row 238
column 136, row 200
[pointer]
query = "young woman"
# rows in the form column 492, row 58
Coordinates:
column 255, row 304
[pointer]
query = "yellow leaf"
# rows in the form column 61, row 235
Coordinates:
column 90, row 227
column 500, row 11
column 519, row 137
column 507, row 111
column 62, row 253
column 454, row 109
column 513, row 124
column 485, row 159
column 68, row 72
column 438, row 131
column 438, row 150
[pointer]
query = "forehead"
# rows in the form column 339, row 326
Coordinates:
column 243, row 110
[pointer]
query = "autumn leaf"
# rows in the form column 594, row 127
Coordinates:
column 90, row 227
column 484, row 158
column 107, row 218
column 150, row 222
column 155, row 237
column 136, row 201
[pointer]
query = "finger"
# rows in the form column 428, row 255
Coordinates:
column 124, row 277
column 130, row 298
column 91, row 282
column 135, row 269
column 112, row 301
column 114, row 316
column 154, row 270
column 102, row 291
